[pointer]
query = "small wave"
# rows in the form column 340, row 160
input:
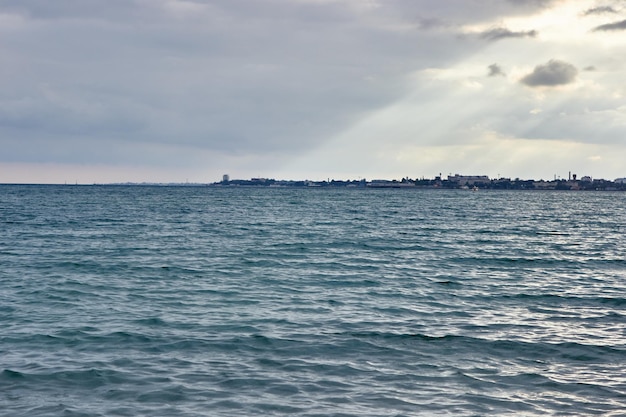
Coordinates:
column 569, row 351
column 573, row 300
column 552, row 233
column 449, row 283
column 10, row 374
column 79, row 378
column 152, row 322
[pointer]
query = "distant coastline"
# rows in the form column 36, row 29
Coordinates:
column 478, row 182
column 452, row 182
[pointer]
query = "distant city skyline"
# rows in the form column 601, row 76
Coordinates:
column 572, row 182
column 188, row 90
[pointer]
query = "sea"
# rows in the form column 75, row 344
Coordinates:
column 258, row 301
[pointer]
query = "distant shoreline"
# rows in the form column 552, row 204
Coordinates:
column 451, row 183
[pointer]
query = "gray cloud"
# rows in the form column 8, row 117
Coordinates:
column 611, row 26
column 553, row 73
column 503, row 33
column 168, row 82
column 599, row 10
column 428, row 23
column 227, row 76
column 495, row 70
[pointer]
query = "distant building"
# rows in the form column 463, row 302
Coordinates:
column 389, row 184
column 544, row 185
column 468, row 179
column 572, row 184
column 225, row 178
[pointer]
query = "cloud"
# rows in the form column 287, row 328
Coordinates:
column 230, row 76
column 495, row 70
column 599, row 10
column 428, row 23
column 611, row 26
column 503, row 33
column 235, row 85
column 553, row 73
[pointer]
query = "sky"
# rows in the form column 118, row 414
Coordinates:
column 95, row 91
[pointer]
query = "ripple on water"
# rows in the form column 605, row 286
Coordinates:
column 168, row 301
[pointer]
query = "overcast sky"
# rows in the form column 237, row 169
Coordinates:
column 188, row 90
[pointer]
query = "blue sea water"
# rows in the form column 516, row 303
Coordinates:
column 200, row 301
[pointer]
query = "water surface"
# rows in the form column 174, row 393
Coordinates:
column 193, row 301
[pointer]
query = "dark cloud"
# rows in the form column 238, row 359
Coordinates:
column 611, row 26
column 73, row 9
column 589, row 68
column 230, row 76
column 431, row 23
column 495, row 70
column 502, row 33
column 599, row 10
column 226, row 75
column 553, row 73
